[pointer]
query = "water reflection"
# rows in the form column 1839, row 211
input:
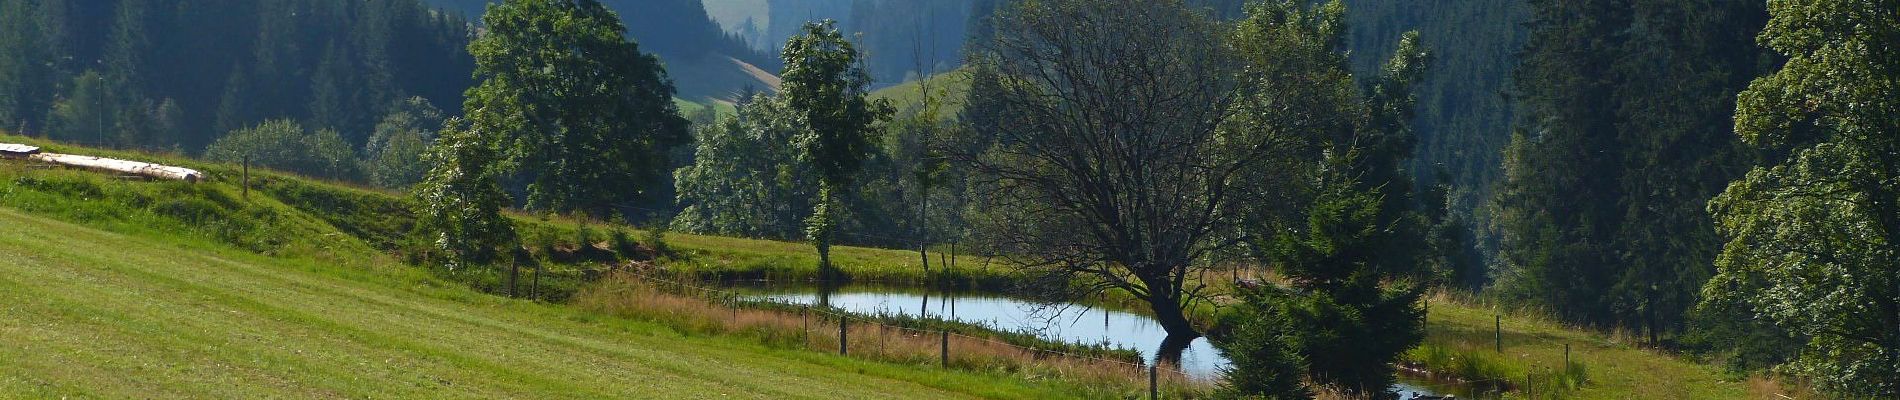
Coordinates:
column 1064, row 322
column 1067, row 323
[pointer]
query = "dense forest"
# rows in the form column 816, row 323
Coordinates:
column 177, row 74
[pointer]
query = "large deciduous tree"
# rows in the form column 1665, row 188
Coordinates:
column 584, row 116
column 1814, row 236
column 1108, row 168
column 825, row 87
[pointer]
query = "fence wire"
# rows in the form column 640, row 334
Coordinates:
column 733, row 299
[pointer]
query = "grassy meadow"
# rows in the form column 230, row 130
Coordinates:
column 121, row 288
column 305, row 289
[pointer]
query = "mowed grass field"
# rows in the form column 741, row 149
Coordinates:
column 90, row 313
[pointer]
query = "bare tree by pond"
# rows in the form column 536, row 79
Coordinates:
column 1110, row 168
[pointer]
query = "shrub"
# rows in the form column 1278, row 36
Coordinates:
column 284, row 145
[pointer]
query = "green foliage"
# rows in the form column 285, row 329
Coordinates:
column 1464, row 121
column 745, row 179
column 285, row 145
column 394, row 153
column 825, row 88
column 585, row 117
column 1264, row 348
column 1353, row 323
column 1349, row 240
column 1813, row 234
column 459, row 203
column 82, row 115
column 1623, row 138
column 177, row 74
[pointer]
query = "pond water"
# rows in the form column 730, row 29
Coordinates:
column 1062, row 322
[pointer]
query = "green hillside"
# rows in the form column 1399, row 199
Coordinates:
column 952, row 88
column 123, row 288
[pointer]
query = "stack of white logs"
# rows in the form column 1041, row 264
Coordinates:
column 9, row 150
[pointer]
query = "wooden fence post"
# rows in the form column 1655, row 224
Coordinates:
column 1154, row 387
column 1497, row 332
column 247, row 177
column 844, row 348
column 946, row 349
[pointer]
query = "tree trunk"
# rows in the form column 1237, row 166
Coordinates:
column 122, row 166
column 1168, row 313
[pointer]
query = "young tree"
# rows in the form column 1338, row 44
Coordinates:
column 584, row 116
column 1814, row 237
column 825, row 87
column 459, row 203
column 1264, row 349
column 1353, row 319
column 85, row 114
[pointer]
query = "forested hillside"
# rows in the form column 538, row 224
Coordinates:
column 1625, row 135
column 901, row 39
column 177, row 74
column 699, row 54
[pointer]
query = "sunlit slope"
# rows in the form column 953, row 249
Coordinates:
column 89, row 313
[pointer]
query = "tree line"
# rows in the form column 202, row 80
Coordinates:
column 178, row 74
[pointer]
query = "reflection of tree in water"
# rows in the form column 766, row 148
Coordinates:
column 1171, row 350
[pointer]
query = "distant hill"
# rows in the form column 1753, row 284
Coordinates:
column 901, row 39
column 706, row 64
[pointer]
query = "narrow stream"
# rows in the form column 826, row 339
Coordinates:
column 1062, row 322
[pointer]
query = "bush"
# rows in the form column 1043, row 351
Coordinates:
column 284, row 145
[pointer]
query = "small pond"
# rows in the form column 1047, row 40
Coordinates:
column 1063, row 322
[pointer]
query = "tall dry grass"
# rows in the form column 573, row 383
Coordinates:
column 629, row 296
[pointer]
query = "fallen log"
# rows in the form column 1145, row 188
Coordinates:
column 121, row 166
column 11, row 150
